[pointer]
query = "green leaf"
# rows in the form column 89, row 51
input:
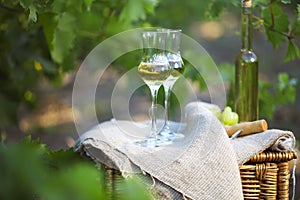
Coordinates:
column 74, row 6
column 71, row 6
column 281, row 24
column 149, row 5
column 49, row 22
column 132, row 11
column 90, row 22
column 64, row 36
column 295, row 30
column 135, row 10
column 21, row 164
column 58, row 6
column 61, row 159
column 133, row 190
column 79, row 181
column 275, row 38
column 281, row 20
column 38, row 147
column 292, row 53
column 66, row 22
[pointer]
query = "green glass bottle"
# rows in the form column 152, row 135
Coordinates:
column 246, row 70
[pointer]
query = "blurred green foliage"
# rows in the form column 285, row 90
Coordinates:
column 30, row 170
column 47, row 38
column 272, row 96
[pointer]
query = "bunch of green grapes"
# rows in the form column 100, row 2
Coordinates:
column 228, row 117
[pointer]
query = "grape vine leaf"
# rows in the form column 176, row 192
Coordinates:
column 295, row 29
column 280, row 24
column 64, row 36
column 135, row 10
column 292, row 53
column 275, row 38
column 58, row 6
column 79, row 181
column 132, row 11
column 89, row 22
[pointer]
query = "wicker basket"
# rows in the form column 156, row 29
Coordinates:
column 266, row 176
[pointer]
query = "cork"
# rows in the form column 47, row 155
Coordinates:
column 248, row 127
column 246, row 3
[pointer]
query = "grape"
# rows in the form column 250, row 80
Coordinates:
column 216, row 110
column 229, row 118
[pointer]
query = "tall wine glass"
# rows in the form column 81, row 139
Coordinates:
column 177, row 68
column 154, row 69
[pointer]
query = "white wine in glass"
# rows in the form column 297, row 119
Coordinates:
column 153, row 74
column 177, row 68
column 154, row 69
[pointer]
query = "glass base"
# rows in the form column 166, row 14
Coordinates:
column 167, row 134
column 154, row 142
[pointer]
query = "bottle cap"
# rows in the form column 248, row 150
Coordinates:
column 246, row 3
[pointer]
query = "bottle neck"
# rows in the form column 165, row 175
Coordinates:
column 246, row 28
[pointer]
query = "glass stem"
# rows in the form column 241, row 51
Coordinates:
column 167, row 98
column 153, row 113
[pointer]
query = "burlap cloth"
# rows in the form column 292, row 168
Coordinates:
column 202, row 165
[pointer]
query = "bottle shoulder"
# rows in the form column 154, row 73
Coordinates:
column 248, row 56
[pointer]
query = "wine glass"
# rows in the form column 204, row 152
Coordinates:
column 177, row 68
column 154, row 69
